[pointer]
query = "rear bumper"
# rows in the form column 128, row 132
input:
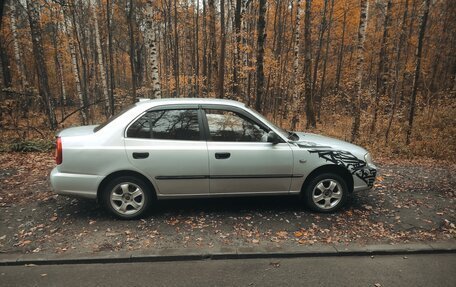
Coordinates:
column 76, row 185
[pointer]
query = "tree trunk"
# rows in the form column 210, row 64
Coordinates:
column 416, row 77
column 342, row 48
column 205, row 58
column 221, row 65
column 356, row 98
column 320, row 46
column 325, row 61
column 383, row 64
column 58, row 59
column 196, row 52
column 6, row 71
column 212, row 61
column 104, row 84
column 74, row 67
column 131, row 33
column 397, row 69
column 310, row 115
column 151, row 45
column 176, row 52
column 296, row 103
column 261, row 24
column 80, row 40
column 112, row 83
column 237, row 46
column 17, row 52
column 40, row 61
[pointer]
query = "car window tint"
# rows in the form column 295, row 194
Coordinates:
column 167, row 124
column 230, row 126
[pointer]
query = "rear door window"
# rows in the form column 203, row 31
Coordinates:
column 179, row 124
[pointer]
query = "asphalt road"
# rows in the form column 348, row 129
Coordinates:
column 413, row 270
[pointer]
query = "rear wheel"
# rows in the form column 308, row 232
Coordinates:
column 326, row 193
column 127, row 197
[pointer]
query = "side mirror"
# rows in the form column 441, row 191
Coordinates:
column 273, row 138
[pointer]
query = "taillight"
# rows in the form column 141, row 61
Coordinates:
column 58, row 151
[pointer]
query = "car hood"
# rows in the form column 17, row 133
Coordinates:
column 310, row 140
column 77, row 131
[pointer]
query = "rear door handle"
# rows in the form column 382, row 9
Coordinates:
column 222, row 155
column 140, row 155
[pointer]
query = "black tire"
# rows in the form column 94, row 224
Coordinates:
column 332, row 198
column 127, row 197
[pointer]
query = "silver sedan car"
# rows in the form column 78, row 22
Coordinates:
column 183, row 148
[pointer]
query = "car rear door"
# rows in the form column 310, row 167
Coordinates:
column 241, row 161
column 167, row 144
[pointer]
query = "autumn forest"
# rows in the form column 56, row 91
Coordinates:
column 381, row 73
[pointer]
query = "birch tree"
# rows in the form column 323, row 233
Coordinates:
column 101, row 66
column 58, row 63
column 17, row 52
column 310, row 115
column 296, row 89
column 356, row 98
column 74, row 67
column 151, row 45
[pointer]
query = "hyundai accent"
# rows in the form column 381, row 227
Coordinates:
column 187, row 148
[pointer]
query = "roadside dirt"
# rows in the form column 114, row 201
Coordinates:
column 412, row 201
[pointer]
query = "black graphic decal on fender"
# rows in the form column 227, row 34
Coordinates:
column 350, row 162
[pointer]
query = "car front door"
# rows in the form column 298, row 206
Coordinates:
column 241, row 160
column 167, row 144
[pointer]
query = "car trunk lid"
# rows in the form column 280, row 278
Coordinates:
column 77, row 131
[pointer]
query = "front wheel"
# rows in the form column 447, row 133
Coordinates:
column 326, row 193
column 127, row 197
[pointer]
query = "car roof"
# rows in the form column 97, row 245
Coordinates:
column 183, row 101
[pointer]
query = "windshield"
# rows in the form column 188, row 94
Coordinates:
column 99, row 127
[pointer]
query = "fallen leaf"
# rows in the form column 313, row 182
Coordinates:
column 282, row 234
column 24, row 242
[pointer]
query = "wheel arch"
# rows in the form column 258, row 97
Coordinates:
column 331, row 168
column 120, row 173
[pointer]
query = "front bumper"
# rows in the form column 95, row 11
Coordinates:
column 364, row 178
column 76, row 185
